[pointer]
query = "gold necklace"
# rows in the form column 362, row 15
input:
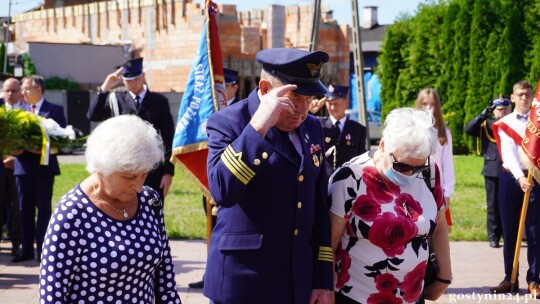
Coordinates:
column 124, row 212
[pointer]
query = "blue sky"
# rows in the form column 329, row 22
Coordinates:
column 388, row 10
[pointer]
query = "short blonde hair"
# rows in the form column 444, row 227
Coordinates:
column 124, row 143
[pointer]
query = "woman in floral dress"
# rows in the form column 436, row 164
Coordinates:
column 382, row 212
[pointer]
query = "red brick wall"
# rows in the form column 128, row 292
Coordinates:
column 167, row 33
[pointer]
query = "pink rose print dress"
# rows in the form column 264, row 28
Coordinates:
column 383, row 252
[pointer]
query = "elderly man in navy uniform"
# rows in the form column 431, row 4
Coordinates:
column 343, row 138
column 271, row 243
column 480, row 126
column 138, row 100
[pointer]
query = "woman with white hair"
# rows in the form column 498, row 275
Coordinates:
column 106, row 241
column 383, row 211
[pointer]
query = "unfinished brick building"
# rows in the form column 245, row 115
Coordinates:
column 166, row 33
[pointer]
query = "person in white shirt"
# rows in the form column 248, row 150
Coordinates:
column 513, row 184
column 429, row 100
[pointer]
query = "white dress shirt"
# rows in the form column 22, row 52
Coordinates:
column 509, row 148
column 444, row 158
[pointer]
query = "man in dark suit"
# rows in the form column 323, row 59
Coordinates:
column 231, row 87
column 140, row 101
column 271, row 243
column 35, row 180
column 343, row 138
column 9, row 198
column 480, row 126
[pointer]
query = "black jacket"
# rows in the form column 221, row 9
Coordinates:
column 348, row 144
column 481, row 128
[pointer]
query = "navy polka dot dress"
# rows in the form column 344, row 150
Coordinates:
column 89, row 257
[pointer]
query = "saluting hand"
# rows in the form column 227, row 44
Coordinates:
column 316, row 105
column 273, row 103
column 112, row 80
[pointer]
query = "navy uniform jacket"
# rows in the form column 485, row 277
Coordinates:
column 350, row 143
column 155, row 110
column 271, row 243
column 481, row 128
column 28, row 163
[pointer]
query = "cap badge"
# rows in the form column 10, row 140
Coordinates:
column 128, row 64
column 331, row 89
column 314, row 68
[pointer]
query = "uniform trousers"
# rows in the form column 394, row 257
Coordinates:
column 494, row 228
column 510, row 203
column 9, row 203
column 35, row 191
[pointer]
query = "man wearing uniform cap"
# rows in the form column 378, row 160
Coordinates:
column 231, row 85
column 266, row 171
column 344, row 138
column 480, row 126
column 138, row 100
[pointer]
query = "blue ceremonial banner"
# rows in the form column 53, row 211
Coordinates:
column 204, row 94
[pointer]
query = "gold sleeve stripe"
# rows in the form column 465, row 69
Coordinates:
column 236, row 158
column 233, row 162
column 326, row 254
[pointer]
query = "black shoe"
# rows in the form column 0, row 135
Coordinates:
column 199, row 284
column 21, row 257
column 15, row 249
column 494, row 244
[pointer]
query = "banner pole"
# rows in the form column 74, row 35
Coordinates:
column 523, row 217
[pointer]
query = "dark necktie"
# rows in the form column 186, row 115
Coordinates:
column 138, row 101
column 338, row 124
column 33, row 109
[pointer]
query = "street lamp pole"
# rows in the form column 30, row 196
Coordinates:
column 6, row 39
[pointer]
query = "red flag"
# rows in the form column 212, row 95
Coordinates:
column 531, row 142
column 204, row 94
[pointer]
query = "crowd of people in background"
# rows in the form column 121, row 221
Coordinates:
column 342, row 206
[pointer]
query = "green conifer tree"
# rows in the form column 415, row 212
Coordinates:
column 479, row 34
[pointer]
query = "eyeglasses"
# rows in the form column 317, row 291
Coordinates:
column 527, row 95
column 401, row 167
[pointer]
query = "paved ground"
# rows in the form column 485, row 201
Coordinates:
column 475, row 267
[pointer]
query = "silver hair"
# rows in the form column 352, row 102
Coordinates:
column 274, row 81
column 410, row 132
column 124, row 143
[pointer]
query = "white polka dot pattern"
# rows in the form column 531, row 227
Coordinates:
column 89, row 257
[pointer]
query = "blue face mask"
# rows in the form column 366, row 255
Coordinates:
column 399, row 178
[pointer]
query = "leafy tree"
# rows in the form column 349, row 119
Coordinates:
column 57, row 83
column 457, row 91
column 393, row 61
column 511, row 52
column 2, row 55
column 445, row 44
column 479, row 34
column 28, row 66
